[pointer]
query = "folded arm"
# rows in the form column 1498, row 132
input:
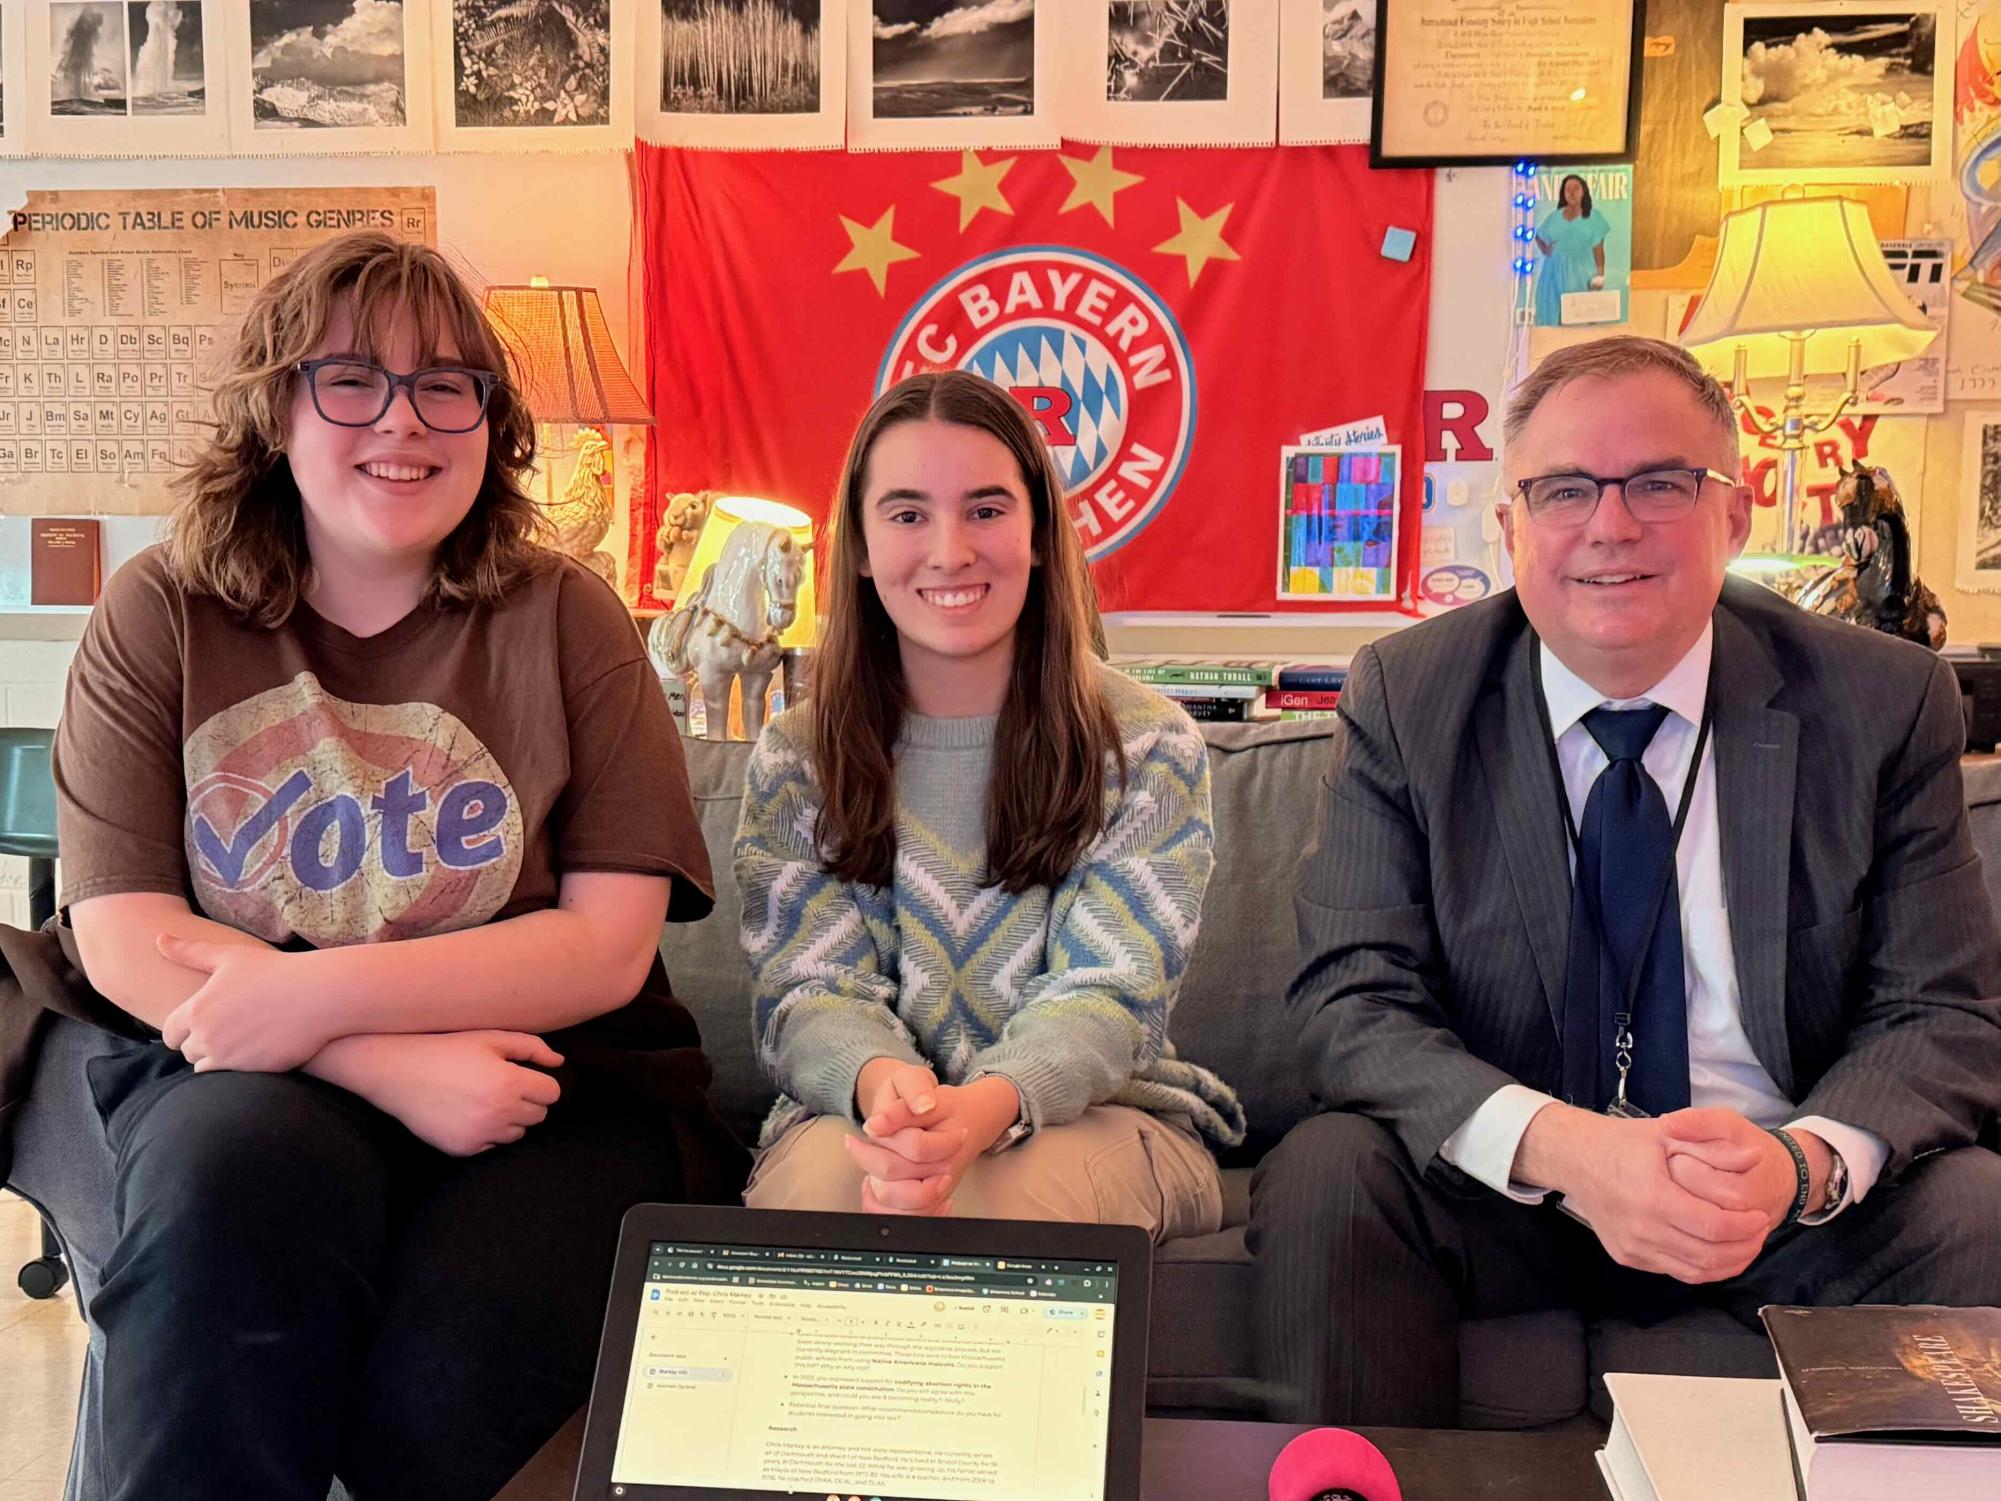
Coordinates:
column 225, row 997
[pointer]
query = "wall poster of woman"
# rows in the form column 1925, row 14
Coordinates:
column 1583, row 242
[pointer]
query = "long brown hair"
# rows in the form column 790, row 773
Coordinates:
column 1056, row 733
column 239, row 531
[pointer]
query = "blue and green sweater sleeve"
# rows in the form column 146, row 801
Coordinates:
column 822, row 951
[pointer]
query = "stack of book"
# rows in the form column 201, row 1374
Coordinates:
column 1306, row 690
column 1873, row 1402
column 1242, row 690
column 1207, row 690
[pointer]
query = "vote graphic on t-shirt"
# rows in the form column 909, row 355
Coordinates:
column 347, row 823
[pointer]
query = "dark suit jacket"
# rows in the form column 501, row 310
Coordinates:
column 1434, row 900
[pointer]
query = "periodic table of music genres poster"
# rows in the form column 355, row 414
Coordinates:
column 113, row 306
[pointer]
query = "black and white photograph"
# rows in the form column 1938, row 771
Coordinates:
column 532, row 62
column 87, row 64
column 953, row 59
column 1327, row 63
column 1160, row 51
column 328, row 64
column 1980, row 511
column 740, row 57
column 1347, row 48
column 1844, row 93
column 167, row 57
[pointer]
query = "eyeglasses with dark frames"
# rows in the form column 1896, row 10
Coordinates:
column 1570, row 500
column 356, row 393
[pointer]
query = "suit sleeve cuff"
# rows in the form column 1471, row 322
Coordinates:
column 1484, row 1146
column 1864, row 1151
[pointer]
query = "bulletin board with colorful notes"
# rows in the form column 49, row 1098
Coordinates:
column 114, row 307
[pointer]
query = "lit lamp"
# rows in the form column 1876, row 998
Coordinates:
column 1801, row 287
column 568, row 371
column 725, row 516
column 724, row 613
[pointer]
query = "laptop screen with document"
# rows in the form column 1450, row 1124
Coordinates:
column 891, row 1374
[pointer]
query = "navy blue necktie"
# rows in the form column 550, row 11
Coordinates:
column 1625, row 845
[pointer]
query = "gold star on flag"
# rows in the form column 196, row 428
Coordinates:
column 1095, row 182
column 873, row 248
column 977, row 185
column 1201, row 240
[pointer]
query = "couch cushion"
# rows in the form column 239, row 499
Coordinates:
column 1201, row 1314
column 1522, row 1371
column 1701, row 1342
column 1230, row 1015
column 705, row 961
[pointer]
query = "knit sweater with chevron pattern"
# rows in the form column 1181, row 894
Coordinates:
column 1065, row 991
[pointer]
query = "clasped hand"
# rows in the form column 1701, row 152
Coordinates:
column 920, row 1136
column 1692, row 1195
column 247, row 1015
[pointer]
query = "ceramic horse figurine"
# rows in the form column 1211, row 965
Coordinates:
column 728, row 627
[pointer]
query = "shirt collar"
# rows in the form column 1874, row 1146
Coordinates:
column 1682, row 692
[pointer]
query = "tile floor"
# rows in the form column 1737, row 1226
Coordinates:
column 41, row 1365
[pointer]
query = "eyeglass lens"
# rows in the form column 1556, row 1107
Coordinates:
column 1569, row 499
column 449, row 401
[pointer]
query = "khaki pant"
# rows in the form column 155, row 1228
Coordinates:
column 1113, row 1165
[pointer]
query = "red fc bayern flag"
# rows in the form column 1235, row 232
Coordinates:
column 1173, row 319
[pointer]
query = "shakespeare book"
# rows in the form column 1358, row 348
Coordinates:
column 1885, row 1400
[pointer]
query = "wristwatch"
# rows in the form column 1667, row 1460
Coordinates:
column 1013, row 1136
column 1837, row 1181
column 1018, row 1132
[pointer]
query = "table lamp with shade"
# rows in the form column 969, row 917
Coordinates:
column 1800, row 288
column 727, row 608
column 568, row 371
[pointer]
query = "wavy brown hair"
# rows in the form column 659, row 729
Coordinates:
column 1056, row 734
column 238, row 531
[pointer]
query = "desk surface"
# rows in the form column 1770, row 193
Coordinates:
column 1188, row 1460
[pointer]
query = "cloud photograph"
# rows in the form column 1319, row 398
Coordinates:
column 951, row 59
column 327, row 63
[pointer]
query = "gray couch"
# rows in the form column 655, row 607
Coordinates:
column 1525, row 1371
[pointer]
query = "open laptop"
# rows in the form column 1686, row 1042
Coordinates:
column 763, row 1354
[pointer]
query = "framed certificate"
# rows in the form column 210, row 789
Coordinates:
column 1462, row 83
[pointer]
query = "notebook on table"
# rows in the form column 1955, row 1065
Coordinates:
column 751, row 1355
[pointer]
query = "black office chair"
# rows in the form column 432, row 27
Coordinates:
column 28, row 828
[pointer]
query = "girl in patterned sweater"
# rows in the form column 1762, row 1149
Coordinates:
column 973, row 865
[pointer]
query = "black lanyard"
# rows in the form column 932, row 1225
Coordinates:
column 1639, row 965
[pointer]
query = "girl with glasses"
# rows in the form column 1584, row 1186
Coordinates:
column 373, row 808
column 973, row 863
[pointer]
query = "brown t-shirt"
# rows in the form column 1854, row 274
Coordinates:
column 304, row 783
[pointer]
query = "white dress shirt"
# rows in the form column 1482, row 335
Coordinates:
column 1722, row 1068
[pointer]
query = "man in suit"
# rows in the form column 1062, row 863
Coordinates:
column 1744, row 1055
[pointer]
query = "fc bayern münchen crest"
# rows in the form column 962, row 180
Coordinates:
column 1092, row 353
